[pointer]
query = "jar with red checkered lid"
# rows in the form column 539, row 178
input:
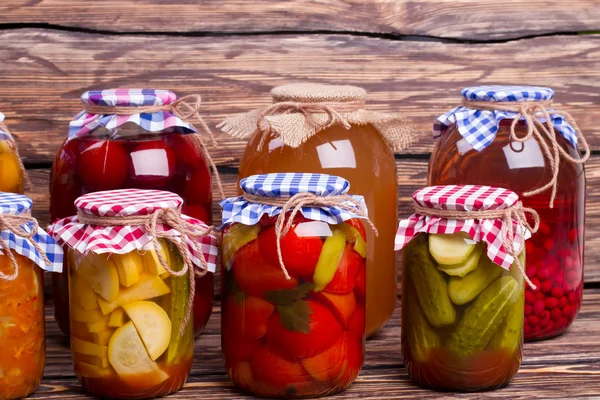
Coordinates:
column 513, row 137
column 463, row 286
column 134, row 138
column 133, row 261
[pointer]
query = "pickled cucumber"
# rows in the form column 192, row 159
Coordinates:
column 463, row 268
column 420, row 337
column 430, row 286
column 450, row 249
column 464, row 290
column 509, row 335
column 483, row 317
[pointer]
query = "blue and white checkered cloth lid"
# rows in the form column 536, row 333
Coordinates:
column 479, row 127
column 17, row 204
column 286, row 185
column 85, row 123
column 4, row 135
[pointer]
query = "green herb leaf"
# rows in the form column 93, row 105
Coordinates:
column 287, row 297
column 295, row 317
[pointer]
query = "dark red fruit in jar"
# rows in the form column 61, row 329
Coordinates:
column 203, row 301
column 300, row 254
column 329, row 364
column 102, row 165
column 361, row 283
column 198, row 186
column 152, row 164
column 279, row 374
column 345, row 276
column 249, row 316
column 236, row 347
column 323, row 332
column 357, row 325
column 255, row 276
column 342, row 305
column 198, row 212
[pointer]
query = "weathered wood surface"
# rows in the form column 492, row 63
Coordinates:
column 467, row 19
column 567, row 366
column 45, row 71
column 411, row 176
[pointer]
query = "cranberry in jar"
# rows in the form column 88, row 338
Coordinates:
column 487, row 140
column 111, row 147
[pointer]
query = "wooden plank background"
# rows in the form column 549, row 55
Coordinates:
column 412, row 56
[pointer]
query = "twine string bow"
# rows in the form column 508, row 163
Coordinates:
column 170, row 218
column 294, row 204
column 511, row 216
column 15, row 223
column 543, row 132
column 186, row 108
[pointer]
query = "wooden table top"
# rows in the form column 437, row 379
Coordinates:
column 564, row 367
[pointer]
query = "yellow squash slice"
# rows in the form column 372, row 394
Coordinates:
column 128, row 356
column 117, row 318
column 81, row 315
column 451, row 249
column 153, row 325
column 102, row 338
column 100, row 362
column 100, row 273
column 83, row 295
column 89, row 348
column 151, row 261
column 128, row 267
column 91, row 371
column 148, row 287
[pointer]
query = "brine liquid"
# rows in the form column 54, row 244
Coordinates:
column 362, row 157
column 555, row 252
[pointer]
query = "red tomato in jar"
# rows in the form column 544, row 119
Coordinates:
column 277, row 373
column 324, row 330
column 102, row 165
column 359, row 226
column 152, row 164
column 300, row 254
column 345, row 276
column 248, row 316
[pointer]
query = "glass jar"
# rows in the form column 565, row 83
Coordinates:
column 462, row 312
column 113, row 152
column 22, row 317
column 555, row 252
column 360, row 152
column 297, row 337
column 12, row 172
column 131, row 319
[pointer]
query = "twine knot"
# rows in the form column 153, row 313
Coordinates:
column 294, row 204
column 531, row 112
column 508, row 216
column 171, row 218
column 186, row 108
column 14, row 224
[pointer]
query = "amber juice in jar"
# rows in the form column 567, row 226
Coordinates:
column 361, row 156
column 555, row 252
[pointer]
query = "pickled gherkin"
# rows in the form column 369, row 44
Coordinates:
column 483, row 317
column 509, row 335
column 430, row 286
column 464, row 290
column 421, row 338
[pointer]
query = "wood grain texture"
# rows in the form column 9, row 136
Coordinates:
column 467, row 19
column 411, row 176
column 44, row 72
column 567, row 366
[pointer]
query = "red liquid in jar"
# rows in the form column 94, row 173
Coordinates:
column 168, row 162
column 555, row 252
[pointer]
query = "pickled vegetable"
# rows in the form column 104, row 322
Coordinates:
column 430, row 287
column 237, row 236
column 450, row 249
column 464, row 290
column 330, row 257
column 463, row 268
column 421, row 338
column 100, row 274
column 153, row 325
column 148, row 287
column 483, row 317
column 129, row 267
column 152, row 262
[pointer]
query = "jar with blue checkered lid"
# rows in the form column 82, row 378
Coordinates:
column 134, row 138
column 513, row 137
column 294, row 285
column 26, row 250
column 463, row 257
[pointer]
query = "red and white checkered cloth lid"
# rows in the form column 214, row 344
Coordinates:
column 124, row 239
column 463, row 198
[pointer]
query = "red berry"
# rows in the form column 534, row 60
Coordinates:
column 561, row 323
column 533, row 320
column 300, row 254
column 539, row 295
column 152, row 164
column 531, row 270
column 562, row 302
column 527, row 330
column 546, row 286
column 529, row 297
column 544, row 228
column 556, row 314
column 572, row 297
column 551, row 302
column 536, row 282
column 528, row 247
column 538, row 307
column 568, row 262
column 557, row 292
column 559, row 277
column 567, row 311
column 572, row 235
column 545, row 318
column 324, row 331
column 543, row 274
column 548, row 244
column 573, row 278
column 103, row 165
column 528, row 309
